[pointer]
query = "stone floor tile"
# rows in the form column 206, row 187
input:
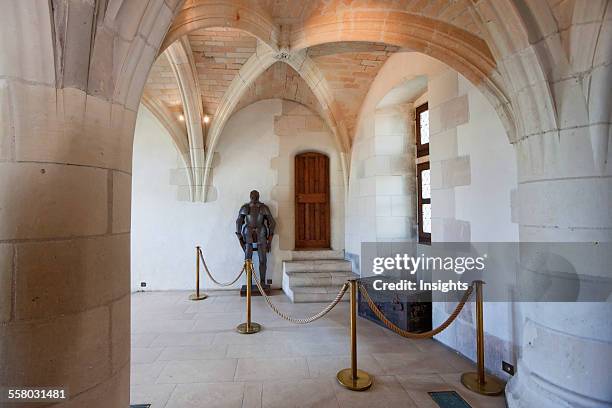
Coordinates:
column 200, row 359
column 260, row 350
column 182, row 353
column 252, row 395
column 193, row 371
column 218, row 322
column 328, row 366
column 415, row 362
column 181, row 339
column 418, row 386
column 474, row 399
column 143, row 374
column 261, row 369
column 386, row 392
column 155, row 394
column 209, row 395
column 143, row 339
column 299, row 393
column 160, row 326
column 145, row 354
column 312, row 348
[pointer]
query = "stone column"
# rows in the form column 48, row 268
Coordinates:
column 65, row 241
column 67, row 113
column 565, row 348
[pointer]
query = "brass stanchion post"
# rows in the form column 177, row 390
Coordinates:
column 248, row 327
column 480, row 382
column 352, row 378
column 197, row 295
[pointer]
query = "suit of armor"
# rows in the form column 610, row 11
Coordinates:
column 255, row 225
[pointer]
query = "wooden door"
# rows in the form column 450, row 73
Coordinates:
column 312, row 215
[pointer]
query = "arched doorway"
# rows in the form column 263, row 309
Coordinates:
column 312, row 215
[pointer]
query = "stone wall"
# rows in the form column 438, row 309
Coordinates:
column 382, row 193
column 256, row 151
column 300, row 130
column 473, row 176
column 465, row 135
column 381, row 204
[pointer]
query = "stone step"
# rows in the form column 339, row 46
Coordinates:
column 310, row 294
column 319, row 254
column 303, row 279
column 314, row 286
column 317, row 265
column 315, row 276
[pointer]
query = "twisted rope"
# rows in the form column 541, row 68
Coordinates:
column 307, row 319
column 411, row 335
column 212, row 278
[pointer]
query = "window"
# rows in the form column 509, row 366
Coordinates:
column 424, row 202
column 422, row 130
column 423, row 174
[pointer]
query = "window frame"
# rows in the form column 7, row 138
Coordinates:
column 422, row 148
column 424, row 237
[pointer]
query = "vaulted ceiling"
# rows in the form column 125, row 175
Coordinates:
column 219, row 53
column 220, row 56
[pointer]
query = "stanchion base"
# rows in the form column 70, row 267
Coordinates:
column 361, row 383
column 242, row 328
column 491, row 386
column 202, row 296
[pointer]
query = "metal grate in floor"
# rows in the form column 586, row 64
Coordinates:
column 449, row 399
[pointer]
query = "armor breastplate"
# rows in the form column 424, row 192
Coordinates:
column 255, row 218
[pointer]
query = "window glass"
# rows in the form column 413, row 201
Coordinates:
column 425, row 184
column 427, row 218
column 424, row 126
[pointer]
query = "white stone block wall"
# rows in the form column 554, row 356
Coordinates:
column 473, row 175
column 465, row 134
column 381, row 202
column 301, row 130
column 256, row 150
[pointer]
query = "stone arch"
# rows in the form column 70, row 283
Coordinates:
column 314, row 78
column 242, row 15
column 252, row 68
column 177, row 133
column 174, row 128
column 459, row 49
column 509, row 30
column 378, row 89
column 180, row 57
column 263, row 58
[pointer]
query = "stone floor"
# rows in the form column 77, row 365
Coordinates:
column 187, row 354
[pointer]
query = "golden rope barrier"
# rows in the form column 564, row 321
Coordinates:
column 411, row 335
column 480, row 382
column 306, row 320
column 248, row 327
column 212, row 277
column 197, row 295
column 475, row 381
column 352, row 378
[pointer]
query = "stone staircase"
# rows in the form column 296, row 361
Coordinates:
column 315, row 276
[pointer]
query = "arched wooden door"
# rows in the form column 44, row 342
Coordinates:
column 312, row 215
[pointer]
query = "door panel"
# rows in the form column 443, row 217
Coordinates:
column 312, row 215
